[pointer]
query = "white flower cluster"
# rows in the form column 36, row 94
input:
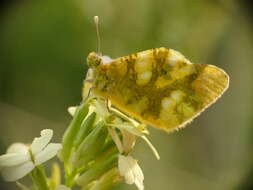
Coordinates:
column 21, row 159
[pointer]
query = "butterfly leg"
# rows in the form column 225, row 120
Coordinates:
column 121, row 114
column 108, row 105
column 89, row 95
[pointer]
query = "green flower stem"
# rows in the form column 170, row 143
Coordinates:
column 55, row 176
column 70, row 179
column 39, row 178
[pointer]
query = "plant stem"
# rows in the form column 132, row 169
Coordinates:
column 39, row 178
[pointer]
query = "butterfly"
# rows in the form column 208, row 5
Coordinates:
column 158, row 87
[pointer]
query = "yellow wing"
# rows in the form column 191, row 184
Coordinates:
column 159, row 87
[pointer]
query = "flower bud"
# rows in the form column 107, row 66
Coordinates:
column 73, row 129
column 97, row 170
column 107, row 180
column 91, row 146
column 85, row 129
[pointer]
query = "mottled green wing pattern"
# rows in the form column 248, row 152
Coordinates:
column 159, row 87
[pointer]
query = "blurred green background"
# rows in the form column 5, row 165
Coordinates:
column 44, row 44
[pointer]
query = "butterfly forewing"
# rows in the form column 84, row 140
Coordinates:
column 159, row 87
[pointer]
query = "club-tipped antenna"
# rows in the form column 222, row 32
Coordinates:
column 96, row 21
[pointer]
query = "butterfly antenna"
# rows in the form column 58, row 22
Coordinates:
column 96, row 21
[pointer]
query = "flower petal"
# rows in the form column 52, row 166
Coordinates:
column 125, row 168
column 49, row 152
column 13, row 159
column 139, row 177
column 16, row 172
column 129, row 168
column 139, row 184
column 116, row 139
column 18, row 148
column 128, row 140
column 40, row 142
column 72, row 110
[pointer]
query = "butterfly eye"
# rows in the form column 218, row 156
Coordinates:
column 93, row 60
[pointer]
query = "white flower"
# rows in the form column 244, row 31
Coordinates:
column 129, row 168
column 21, row 159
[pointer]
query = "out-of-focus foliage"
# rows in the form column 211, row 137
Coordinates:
column 44, row 45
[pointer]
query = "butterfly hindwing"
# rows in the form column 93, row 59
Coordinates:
column 159, row 87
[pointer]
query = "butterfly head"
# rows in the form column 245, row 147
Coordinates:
column 94, row 60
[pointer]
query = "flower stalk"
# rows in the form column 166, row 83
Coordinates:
column 39, row 178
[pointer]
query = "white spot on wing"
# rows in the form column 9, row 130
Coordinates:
column 167, row 103
column 176, row 56
column 144, row 78
column 177, row 95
